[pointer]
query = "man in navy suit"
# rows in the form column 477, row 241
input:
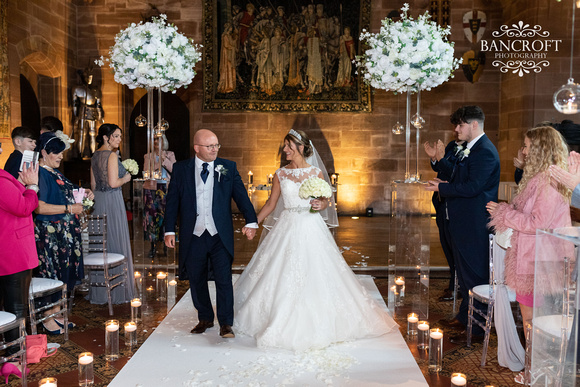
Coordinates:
column 442, row 162
column 200, row 193
column 474, row 181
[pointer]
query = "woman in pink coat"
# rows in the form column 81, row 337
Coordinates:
column 18, row 253
column 540, row 203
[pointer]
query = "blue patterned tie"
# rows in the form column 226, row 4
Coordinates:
column 204, row 172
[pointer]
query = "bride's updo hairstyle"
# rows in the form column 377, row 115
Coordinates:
column 106, row 130
column 298, row 137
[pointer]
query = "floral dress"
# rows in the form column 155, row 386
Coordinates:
column 58, row 237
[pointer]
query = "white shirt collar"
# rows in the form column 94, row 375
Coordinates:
column 472, row 142
column 199, row 163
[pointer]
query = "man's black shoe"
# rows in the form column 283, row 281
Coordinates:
column 447, row 295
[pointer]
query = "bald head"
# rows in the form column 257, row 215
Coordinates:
column 206, row 145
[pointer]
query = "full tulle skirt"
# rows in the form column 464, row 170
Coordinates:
column 298, row 293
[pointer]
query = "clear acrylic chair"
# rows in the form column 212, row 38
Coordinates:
column 8, row 322
column 41, row 288
column 551, row 352
column 485, row 294
column 97, row 260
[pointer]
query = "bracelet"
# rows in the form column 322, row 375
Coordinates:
column 66, row 210
column 33, row 187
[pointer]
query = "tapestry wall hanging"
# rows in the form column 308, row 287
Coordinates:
column 280, row 56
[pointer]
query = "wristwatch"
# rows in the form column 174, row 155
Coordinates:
column 33, row 187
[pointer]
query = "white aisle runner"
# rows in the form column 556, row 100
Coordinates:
column 172, row 356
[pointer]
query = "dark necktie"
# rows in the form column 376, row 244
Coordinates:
column 204, row 172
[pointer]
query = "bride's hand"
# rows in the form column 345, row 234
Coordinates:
column 318, row 204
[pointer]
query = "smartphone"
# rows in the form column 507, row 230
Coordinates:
column 28, row 158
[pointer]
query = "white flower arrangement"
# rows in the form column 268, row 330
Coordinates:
column 407, row 53
column 314, row 188
column 131, row 166
column 153, row 55
column 87, row 203
column 221, row 170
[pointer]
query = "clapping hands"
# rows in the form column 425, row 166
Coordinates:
column 436, row 151
column 571, row 178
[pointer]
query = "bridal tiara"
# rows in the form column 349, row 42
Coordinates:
column 295, row 134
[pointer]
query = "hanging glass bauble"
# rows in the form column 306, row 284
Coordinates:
column 567, row 98
column 140, row 120
column 398, row 128
column 417, row 121
column 164, row 124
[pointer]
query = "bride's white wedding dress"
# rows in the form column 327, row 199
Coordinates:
column 297, row 292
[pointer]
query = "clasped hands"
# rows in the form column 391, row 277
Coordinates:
column 249, row 232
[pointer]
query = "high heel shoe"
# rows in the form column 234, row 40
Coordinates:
column 71, row 325
column 58, row 331
column 9, row 369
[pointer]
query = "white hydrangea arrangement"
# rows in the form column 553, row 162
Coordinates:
column 153, row 55
column 131, row 166
column 407, row 53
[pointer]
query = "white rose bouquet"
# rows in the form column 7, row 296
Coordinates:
column 314, row 188
column 153, row 55
column 87, row 203
column 131, row 166
column 407, row 53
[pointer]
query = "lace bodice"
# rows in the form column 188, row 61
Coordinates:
column 100, row 163
column 290, row 181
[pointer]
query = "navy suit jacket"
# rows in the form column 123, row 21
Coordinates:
column 181, row 202
column 474, row 182
column 444, row 169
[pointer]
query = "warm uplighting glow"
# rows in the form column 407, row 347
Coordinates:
column 354, row 217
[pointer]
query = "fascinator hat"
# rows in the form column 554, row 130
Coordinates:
column 329, row 214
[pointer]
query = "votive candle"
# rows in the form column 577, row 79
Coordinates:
column 458, row 379
column 130, row 333
column 86, row 375
column 48, row 382
column 435, row 350
column 250, row 178
column 412, row 320
column 136, row 309
column 423, row 335
column 111, row 340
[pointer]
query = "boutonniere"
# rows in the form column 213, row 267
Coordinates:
column 221, row 171
column 465, row 153
column 458, row 149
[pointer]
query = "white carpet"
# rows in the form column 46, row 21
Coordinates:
column 172, row 356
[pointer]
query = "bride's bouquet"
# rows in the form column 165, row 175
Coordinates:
column 131, row 166
column 314, row 188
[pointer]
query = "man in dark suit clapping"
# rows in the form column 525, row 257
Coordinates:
column 474, row 181
column 200, row 193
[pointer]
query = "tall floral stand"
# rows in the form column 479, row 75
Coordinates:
column 409, row 249
column 155, row 278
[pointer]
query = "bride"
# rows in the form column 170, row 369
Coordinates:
column 297, row 292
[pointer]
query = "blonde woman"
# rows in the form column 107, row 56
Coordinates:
column 540, row 202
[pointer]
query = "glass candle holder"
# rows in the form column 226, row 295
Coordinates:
column 399, row 290
column 412, row 320
column 130, row 333
column 111, row 340
column 423, row 335
column 86, row 376
column 435, row 350
column 136, row 309
column 458, row 379
column 138, row 282
column 48, row 382
column 161, row 286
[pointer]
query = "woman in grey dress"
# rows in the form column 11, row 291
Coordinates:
column 107, row 177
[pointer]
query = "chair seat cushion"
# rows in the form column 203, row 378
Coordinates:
column 482, row 291
column 6, row 317
column 96, row 259
column 552, row 324
column 44, row 284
